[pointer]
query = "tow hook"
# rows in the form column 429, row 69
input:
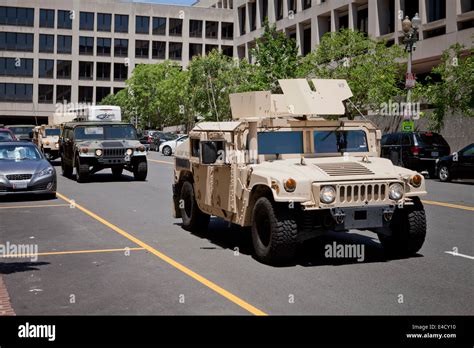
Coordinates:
column 388, row 213
column 338, row 215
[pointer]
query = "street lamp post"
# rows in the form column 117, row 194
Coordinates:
column 410, row 29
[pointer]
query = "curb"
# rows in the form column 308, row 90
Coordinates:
column 5, row 305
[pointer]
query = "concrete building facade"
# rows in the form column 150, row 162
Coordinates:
column 54, row 52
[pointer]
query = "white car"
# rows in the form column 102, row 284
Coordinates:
column 168, row 147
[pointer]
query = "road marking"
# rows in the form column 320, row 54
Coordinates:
column 458, row 254
column 449, row 205
column 73, row 252
column 34, row 206
column 157, row 161
column 211, row 285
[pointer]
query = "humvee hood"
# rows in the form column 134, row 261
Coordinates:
column 329, row 169
column 108, row 143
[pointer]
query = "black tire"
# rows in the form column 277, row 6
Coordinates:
column 66, row 169
column 408, row 227
column 274, row 232
column 193, row 218
column 444, row 174
column 140, row 170
column 167, row 151
column 117, row 172
column 82, row 171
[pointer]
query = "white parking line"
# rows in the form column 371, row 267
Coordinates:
column 458, row 254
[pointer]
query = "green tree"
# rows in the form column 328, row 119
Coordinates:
column 371, row 69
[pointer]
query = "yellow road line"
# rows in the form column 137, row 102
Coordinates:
column 211, row 285
column 77, row 252
column 34, row 206
column 449, row 205
column 157, row 161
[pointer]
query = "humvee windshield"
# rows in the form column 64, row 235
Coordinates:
column 52, row 132
column 106, row 132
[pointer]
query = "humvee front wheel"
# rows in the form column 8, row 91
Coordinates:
column 274, row 232
column 193, row 218
column 140, row 170
column 408, row 229
column 82, row 171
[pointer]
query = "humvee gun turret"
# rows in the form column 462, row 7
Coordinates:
column 291, row 175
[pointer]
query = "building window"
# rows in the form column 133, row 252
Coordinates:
column 120, row 72
column 17, row 16
column 306, row 4
column 227, row 31
column 279, row 10
column 46, row 43
column 104, row 22
column 159, row 26
column 195, row 28
column 175, row 50
column 64, row 44
column 142, row 48
column 176, row 27
column 16, row 42
column 253, row 15
column 121, row 47
column 18, row 67
column 142, row 25
column 103, row 71
column 86, row 45
column 86, row 21
column 227, row 51
column 16, row 92
column 86, row 94
column 46, row 68
column 158, row 50
column 63, row 69
column 195, row 50
column 86, row 70
column 101, row 93
column 121, row 23
column 242, row 20
column 63, row 94
column 292, row 6
column 103, row 46
column 264, row 10
column 436, row 10
column 45, row 94
column 211, row 29
column 65, row 19
column 209, row 48
column 46, row 18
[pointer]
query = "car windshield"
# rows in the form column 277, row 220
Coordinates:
column 431, row 139
column 52, row 132
column 340, row 141
column 108, row 132
column 5, row 136
column 19, row 153
column 21, row 130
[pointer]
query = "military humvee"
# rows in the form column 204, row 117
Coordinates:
column 96, row 140
column 46, row 139
column 291, row 175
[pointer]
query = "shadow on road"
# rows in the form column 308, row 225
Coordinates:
column 15, row 267
column 26, row 198
column 107, row 178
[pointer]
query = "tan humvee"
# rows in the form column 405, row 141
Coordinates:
column 290, row 175
column 47, row 140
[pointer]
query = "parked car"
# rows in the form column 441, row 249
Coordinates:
column 145, row 141
column 415, row 150
column 459, row 165
column 6, row 135
column 159, row 138
column 22, row 132
column 24, row 169
column 168, row 147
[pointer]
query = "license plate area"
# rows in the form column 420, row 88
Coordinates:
column 434, row 154
column 19, row 185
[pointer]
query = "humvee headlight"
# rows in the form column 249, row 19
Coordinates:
column 416, row 180
column 46, row 142
column 395, row 192
column 289, row 185
column 129, row 152
column 141, row 148
column 98, row 152
column 56, row 145
column 327, row 194
column 84, row 150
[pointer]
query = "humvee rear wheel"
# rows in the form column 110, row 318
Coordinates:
column 82, row 171
column 66, row 169
column 408, row 229
column 274, row 232
column 117, row 172
column 140, row 170
column 193, row 218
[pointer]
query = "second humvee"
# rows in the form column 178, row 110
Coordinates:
column 291, row 175
column 46, row 139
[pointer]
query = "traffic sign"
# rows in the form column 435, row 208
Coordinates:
column 408, row 126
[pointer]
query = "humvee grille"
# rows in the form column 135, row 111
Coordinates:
column 114, row 152
column 343, row 169
column 354, row 193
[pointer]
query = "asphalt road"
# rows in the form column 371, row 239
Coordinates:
column 117, row 250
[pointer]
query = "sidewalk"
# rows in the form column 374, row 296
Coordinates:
column 5, row 305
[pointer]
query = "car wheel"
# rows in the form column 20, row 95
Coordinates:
column 443, row 174
column 117, row 172
column 66, row 169
column 167, row 151
column 140, row 170
column 193, row 218
column 82, row 172
column 274, row 232
column 408, row 230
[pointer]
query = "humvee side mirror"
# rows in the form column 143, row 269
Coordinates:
column 208, row 152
